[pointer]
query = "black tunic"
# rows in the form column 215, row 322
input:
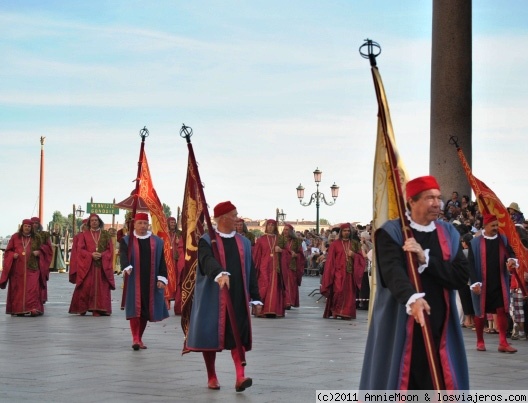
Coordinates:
column 211, row 268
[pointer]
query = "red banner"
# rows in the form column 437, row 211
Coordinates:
column 491, row 204
column 193, row 215
column 159, row 223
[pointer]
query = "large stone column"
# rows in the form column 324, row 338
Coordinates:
column 451, row 93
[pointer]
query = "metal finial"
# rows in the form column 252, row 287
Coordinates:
column 453, row 140
column 372, row 53
column 144, row 132
column 186, row 132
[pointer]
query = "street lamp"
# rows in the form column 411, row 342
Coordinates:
column 76, row 214
column 280, row 217
column 317, row 196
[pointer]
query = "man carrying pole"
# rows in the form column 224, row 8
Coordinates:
column 213, row 326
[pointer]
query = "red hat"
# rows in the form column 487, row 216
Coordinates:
column 85, row 221
column 141, row 216
column 35, row 219
column 223, row 208
column 271, row 221
column 288, row 226
column 27, row 221
column 345, row 225
column 240, row 220
column 172, row 219
column 489, row 218
column 420, row 184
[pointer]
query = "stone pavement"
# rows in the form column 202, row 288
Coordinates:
column 64, row 358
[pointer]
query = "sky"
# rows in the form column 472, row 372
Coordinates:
column 272, row 90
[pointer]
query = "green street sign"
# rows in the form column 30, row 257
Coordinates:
column 101, row 208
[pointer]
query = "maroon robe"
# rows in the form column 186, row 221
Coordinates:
column 292, row 277
column 339, row 286
column 26, row 284
column 46, row 254
column 92, row 283
column 176, row 243
column 267, row 264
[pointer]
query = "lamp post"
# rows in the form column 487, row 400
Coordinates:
column 76, row 214
column 280, row 217
column 317, row 196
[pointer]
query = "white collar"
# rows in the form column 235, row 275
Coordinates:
column 142, row 236
column 230, row 235
column 419, row 227
column 487, row 236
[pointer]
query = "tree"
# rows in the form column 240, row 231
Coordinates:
column 258, row 233
column 167, row 211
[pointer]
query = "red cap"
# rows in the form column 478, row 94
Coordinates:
column 223, row 208
column 288, row 226
column 420, row 184
column 489, row 218
column 27, row 221
column 345, row 225
column 141, row 216
column 85, row 221
column 172, row 219
column 35, row 219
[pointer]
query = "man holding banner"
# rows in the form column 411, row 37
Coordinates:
column 143, row 262
column 396, row 355
column 210, row 330
column 491, row 258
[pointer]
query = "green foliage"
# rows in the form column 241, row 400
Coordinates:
column 258, row 233
column 167, row 211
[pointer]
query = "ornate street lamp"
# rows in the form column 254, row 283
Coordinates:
column 280, row 217
column 76, row 214
column 317, row 196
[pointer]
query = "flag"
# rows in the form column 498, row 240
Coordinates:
column 193, row 217
column 159, row 223
column 385, row 194
column 489, row 203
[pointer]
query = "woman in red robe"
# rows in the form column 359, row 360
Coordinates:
column 342, row 274
column 92, row 256
column 26, row 271
column 267, row 263
column 292, row 265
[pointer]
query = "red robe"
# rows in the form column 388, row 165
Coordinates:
column 176, row 243
column 46, row 254
column 270, row 285
column 292, row 273
column 27, row 280
column 93, row 283
column 339, row 286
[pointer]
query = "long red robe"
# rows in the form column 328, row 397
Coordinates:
column 26, row 285
column 339, row 286
column 269, row 278
column 46, row 254
column 179, row 264
column 292, row 276
column 92, row 284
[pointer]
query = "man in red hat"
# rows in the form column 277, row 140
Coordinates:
column 342, row 275
column 266, row 255
column 92, row 255
column 210, row 329
column 292, row 265
column 144, row 264
column 396, row 354
column 491, row 258
column 26, row 272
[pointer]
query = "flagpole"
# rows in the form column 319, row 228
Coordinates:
column 186, row 132
column 430, row 348
column 143, row 133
